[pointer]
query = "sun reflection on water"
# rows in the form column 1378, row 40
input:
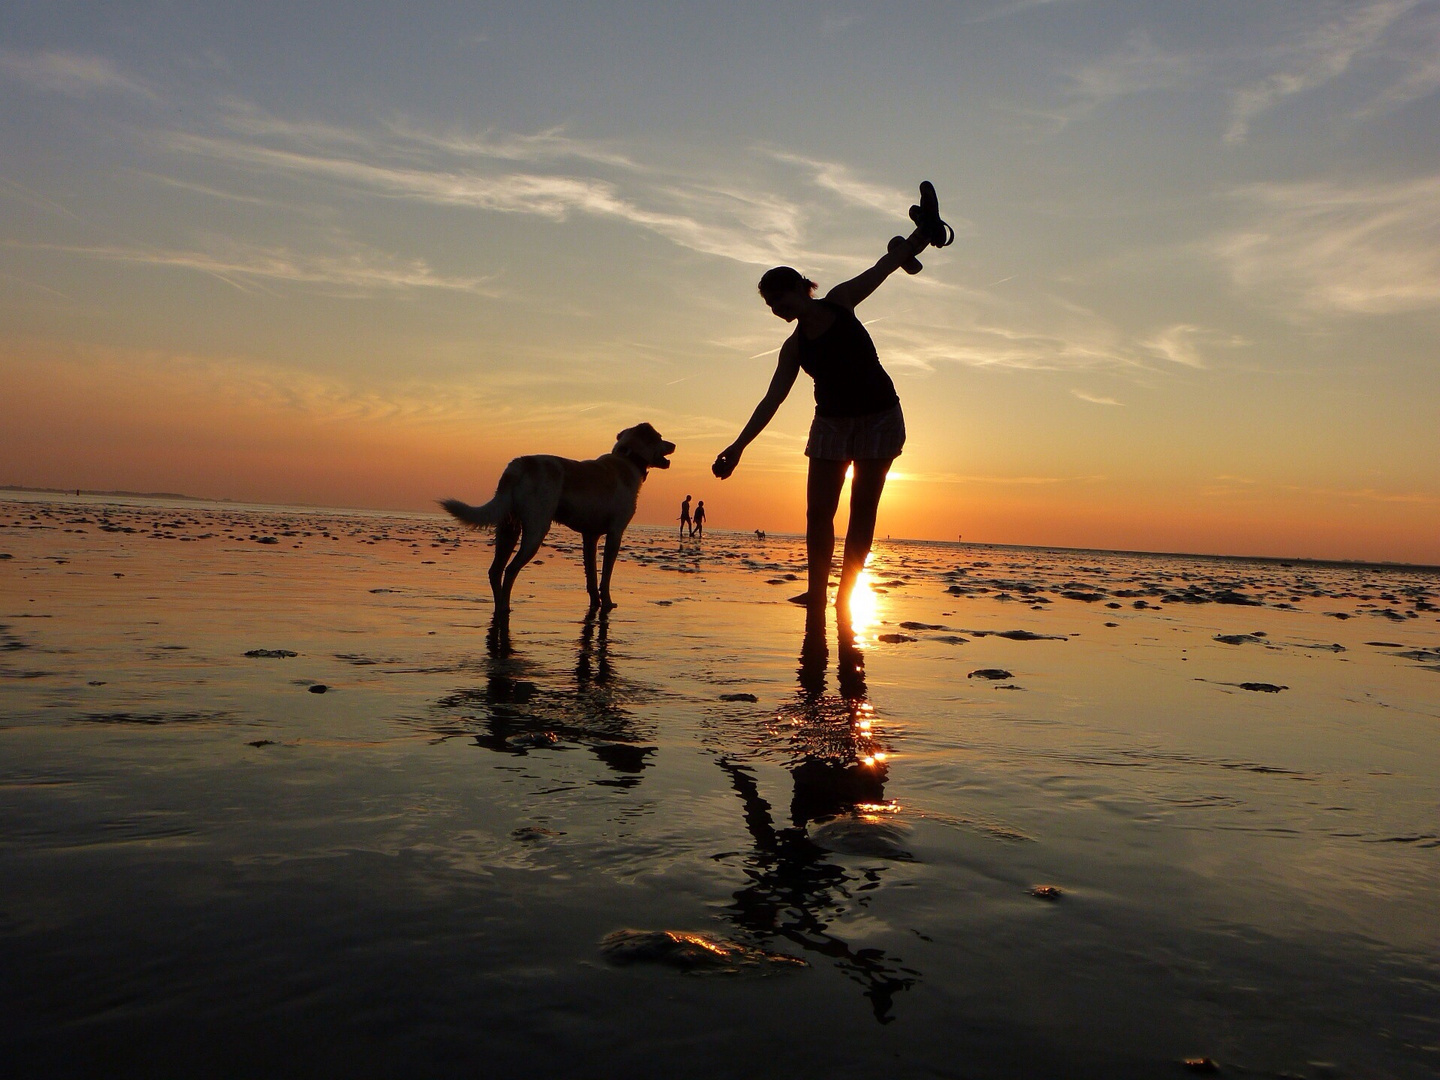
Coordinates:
column 864, row 604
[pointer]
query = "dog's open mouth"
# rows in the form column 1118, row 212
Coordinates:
column 662, row 455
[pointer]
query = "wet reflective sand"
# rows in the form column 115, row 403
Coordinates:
column 1227, row 772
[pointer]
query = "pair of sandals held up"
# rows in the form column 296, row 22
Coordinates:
column 926, row 216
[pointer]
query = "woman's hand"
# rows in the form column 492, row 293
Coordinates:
column 726, row 461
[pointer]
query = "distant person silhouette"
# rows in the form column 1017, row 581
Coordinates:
column 857, row 412
column 685, row 517
column 698, row 529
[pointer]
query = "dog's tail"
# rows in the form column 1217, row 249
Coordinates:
column 479, row 517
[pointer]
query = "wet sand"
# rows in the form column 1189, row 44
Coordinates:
column 1051, row 813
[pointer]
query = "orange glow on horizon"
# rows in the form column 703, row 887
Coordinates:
column 108, row 420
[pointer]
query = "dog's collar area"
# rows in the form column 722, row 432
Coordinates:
column 635, row 459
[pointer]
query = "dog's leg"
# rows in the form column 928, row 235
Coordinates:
column 587, row 544
column 612, row 549
column 532, row 535
column 506, row 533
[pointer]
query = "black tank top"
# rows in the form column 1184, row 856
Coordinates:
column 849, row 380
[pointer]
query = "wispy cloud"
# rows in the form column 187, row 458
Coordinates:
column 834, row 22
column 1226, row 485
column 1366, row 249
column 1415, row 54
column 1014, row 7
column 72, row 74
column 1315, row 59
column 21, row 193
column 1095, row 399
column 552, row 144
column 750, row 227
column 1017, row 481
column 1184, row 344
column 842, row 181
column 241, row 265
column 1139, row 66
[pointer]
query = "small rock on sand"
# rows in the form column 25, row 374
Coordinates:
column 1263, row 687
column 271, row 654
column 691, row 952
column 318, row 688
column 894, row 639
column 1046, row 892
column 529, row 834
column 532, row 740
column 994, row 673
column 739, row 697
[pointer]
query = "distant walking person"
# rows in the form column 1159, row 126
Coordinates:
column 685, row 517
column 857, row 412
column 699, row 527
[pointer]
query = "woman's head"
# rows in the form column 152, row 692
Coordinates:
column 785, row 289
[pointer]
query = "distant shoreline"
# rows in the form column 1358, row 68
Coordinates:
column 129, row 494
column 1295, row 560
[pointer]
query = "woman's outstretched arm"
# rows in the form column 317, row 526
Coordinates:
column 786, row 370
column 849, row 293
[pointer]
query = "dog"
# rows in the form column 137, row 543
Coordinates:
column 594, row 498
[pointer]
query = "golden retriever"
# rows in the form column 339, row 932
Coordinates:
column 592, row 497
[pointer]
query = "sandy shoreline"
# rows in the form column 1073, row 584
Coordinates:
column 1227, row 768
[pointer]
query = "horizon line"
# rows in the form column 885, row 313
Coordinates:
column 1281, row 559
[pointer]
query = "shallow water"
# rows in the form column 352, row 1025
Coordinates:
column 1229, row 770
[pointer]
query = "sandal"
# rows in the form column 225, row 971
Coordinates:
column 926, row 217
column 900, row 246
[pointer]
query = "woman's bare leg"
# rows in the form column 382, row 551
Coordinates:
column 866, row 486
column 822, row 496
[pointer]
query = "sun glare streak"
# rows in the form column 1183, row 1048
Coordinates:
column 864, row 604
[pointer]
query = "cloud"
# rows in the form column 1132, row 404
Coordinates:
column 72, row 74
column 552, row 144
column 1139, row 66
column 754, row 228
column 1015, row 7
column 839, row 179
column 241, row 265
column 1095, row 399
column 1224, row 485
column 1359, row 249
column 1415, row 55
column 1017, row 481
column 836, row 23
column 1181, row 344
column 1317, row 58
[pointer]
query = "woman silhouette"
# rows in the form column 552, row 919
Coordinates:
column 857, row 412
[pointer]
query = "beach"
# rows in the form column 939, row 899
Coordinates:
column 279, row 797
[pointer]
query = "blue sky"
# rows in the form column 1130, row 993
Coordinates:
column 367, row 252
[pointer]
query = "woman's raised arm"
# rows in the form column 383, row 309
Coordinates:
column 849, row 293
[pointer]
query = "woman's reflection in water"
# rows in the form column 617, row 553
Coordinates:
column 838, row 766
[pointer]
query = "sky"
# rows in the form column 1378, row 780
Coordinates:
column 362, row 254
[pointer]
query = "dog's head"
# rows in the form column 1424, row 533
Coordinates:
column 643, row 444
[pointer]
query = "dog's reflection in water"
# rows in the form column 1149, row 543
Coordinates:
column 520, row 708
column 838, row 766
